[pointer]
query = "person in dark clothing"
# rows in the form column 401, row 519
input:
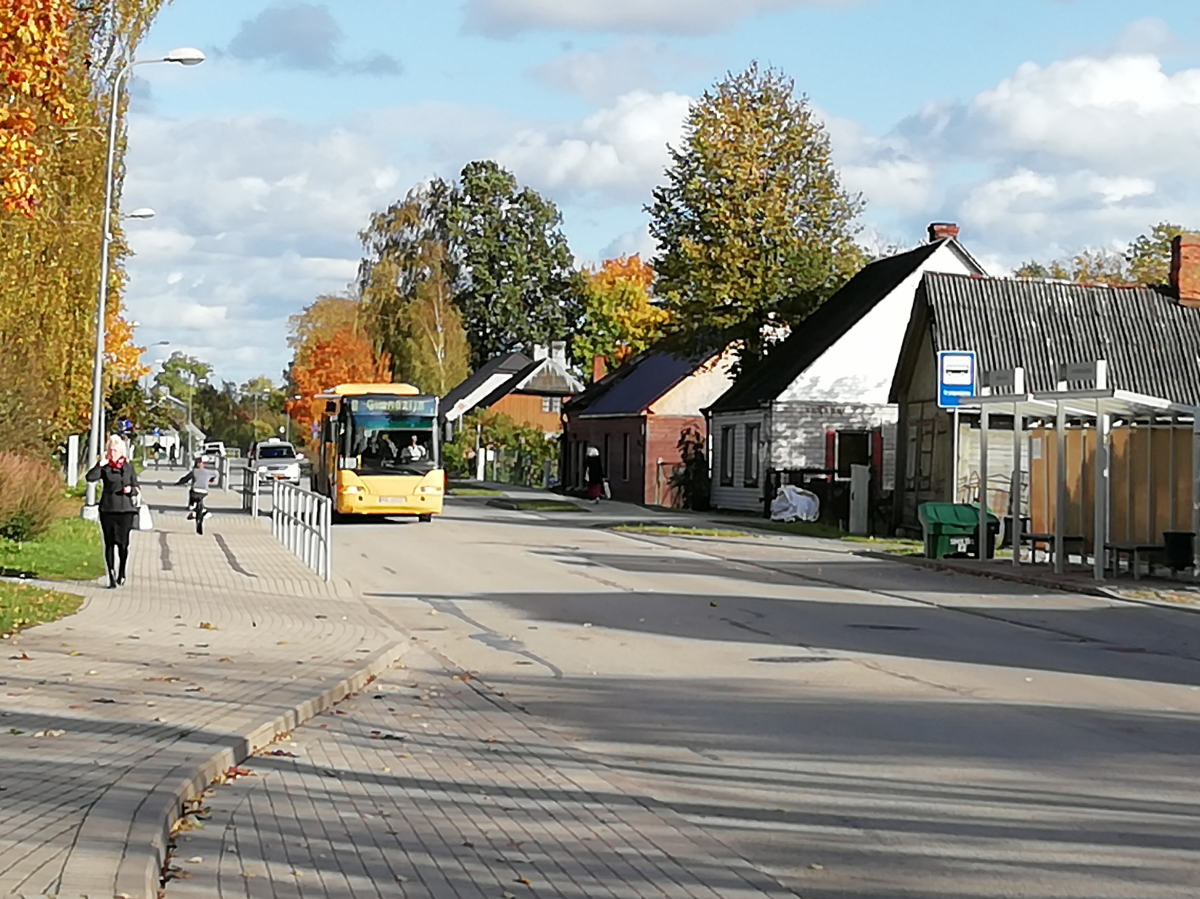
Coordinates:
column 201, row 480
column 118, row 506
column 594, row 469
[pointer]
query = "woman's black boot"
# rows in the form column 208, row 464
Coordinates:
column 112, row 580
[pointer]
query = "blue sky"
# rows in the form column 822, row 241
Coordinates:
column 1041, row 126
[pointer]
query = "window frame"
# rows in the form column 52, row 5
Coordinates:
column 750, row 454
column 728, row 453
column 626, row 447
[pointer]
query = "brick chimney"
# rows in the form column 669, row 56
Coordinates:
column 599, row 367
column 1185, row 269
column 939, row 230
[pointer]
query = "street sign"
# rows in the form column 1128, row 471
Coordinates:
column 957, row 378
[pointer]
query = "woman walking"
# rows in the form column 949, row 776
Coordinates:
column 118, row 506
column 595, row 474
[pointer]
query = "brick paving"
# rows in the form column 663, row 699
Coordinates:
column 112, row 716
column 427, row 785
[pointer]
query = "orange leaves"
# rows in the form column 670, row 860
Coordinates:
column 33, row 60
column 344, row 356
column 620, row 318
column 123, row 358
column 629, row 269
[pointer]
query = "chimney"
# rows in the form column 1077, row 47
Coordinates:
column 1185, row 269
column 540, row 352
column 599, row 367
column 940, row 230
column 558, row 352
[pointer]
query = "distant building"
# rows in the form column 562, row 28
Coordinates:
column 636, row 415
column 818, row 403
column 529, row 391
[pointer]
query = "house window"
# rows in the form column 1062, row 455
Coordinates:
column 552, row 404
column 625, row 457
column 853, row 448
column 727, row 442
column 605, row 457
column 750, row 458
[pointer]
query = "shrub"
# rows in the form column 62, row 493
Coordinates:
column 31, row 497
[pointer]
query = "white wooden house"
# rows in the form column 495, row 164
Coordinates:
column 819, row 402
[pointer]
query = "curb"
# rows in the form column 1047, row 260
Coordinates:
column 1028, row 580
column 145, row 844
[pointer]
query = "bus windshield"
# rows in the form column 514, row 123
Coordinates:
column 393, row 435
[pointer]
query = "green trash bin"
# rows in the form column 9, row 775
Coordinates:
column 952, row 529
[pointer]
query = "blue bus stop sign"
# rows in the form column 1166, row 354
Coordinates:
column 957, row 378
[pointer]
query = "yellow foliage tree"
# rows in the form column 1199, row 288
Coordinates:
column 620, row 318
column 34, row 45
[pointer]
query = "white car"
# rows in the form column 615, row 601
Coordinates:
column 213, row 452
column 275, row 460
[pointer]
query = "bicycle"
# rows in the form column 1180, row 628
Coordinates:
column 199, row 512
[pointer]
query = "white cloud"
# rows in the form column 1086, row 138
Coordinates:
column 620, row 151
column 508, row 17
column 630, row 64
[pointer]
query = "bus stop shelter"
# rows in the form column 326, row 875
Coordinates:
column 1102, row 410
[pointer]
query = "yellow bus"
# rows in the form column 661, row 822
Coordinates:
column 378, row 451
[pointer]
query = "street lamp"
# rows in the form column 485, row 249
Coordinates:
column 186, row 56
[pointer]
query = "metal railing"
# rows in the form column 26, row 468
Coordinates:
column 303, row 522
column 251, row 492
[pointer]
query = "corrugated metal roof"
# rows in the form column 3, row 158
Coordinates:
column 1151, row 343
column 824, row 326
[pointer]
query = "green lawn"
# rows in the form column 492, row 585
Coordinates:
column 661, row 530
column 473, row 491
column 70, row 551
column 23, row 606
column 800, row 528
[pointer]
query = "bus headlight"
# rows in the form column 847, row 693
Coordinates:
column 426, row 488
column 350, row 488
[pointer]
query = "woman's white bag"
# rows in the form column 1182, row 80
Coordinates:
column 145, row 522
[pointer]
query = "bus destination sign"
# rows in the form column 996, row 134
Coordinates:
column 408, row 405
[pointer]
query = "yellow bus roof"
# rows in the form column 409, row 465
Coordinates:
column 361, row 389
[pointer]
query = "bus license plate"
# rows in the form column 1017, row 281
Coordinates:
column 393, row 500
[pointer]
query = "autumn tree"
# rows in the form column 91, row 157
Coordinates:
column 620, row 318
column 406, row 283
column 331, row 346
column 34, row 48
column 753, row 226
column 50, row 246
column 512, row 270
column 1146, row 261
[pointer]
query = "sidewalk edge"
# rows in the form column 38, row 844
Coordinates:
column 145, row 852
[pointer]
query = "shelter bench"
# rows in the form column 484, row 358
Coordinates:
column 1035, row 539
column 1135, row 551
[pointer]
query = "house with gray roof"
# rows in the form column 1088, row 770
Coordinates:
column 1149, row 337
column 818, row 403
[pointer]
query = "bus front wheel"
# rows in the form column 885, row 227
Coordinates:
column 426, row 517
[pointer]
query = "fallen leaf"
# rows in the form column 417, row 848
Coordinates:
column 104, row 699
column 50, row 733
column 224, row 660
column 15, row 732
column 195, row 860
column 521, row 880
column 22, row 657
column 75, row 652
column 207, row 626
column 816, row 867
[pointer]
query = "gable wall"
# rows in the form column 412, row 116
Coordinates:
column 697, row 391
column 859, row 367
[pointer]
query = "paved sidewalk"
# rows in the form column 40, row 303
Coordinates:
column 110, row 718
column 429, row 785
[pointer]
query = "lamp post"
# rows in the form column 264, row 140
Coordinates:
column 186, row 56
column 195, row 381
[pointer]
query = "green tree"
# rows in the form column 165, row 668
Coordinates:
column 182, row 374
column 407, row 285
column 754, row 229
column 513, row 272
column 1149, row 255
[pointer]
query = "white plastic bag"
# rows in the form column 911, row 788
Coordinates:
column 793, row 504
column 145, row 522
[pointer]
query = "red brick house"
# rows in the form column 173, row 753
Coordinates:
column 635, row 416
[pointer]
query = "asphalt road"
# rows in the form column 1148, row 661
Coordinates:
column 855, row 728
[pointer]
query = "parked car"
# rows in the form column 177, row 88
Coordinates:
column 213, row 452
column 275, row 460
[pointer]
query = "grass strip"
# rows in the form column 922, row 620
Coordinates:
column 22, row 606
column 70, row 551
column 473, row 491
column 662, row 530
column 537, row 505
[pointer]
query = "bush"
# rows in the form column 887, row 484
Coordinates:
column 31, row 497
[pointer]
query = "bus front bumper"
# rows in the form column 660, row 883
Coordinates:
column 370, row 504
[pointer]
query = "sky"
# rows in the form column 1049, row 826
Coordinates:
column 1041, row 127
